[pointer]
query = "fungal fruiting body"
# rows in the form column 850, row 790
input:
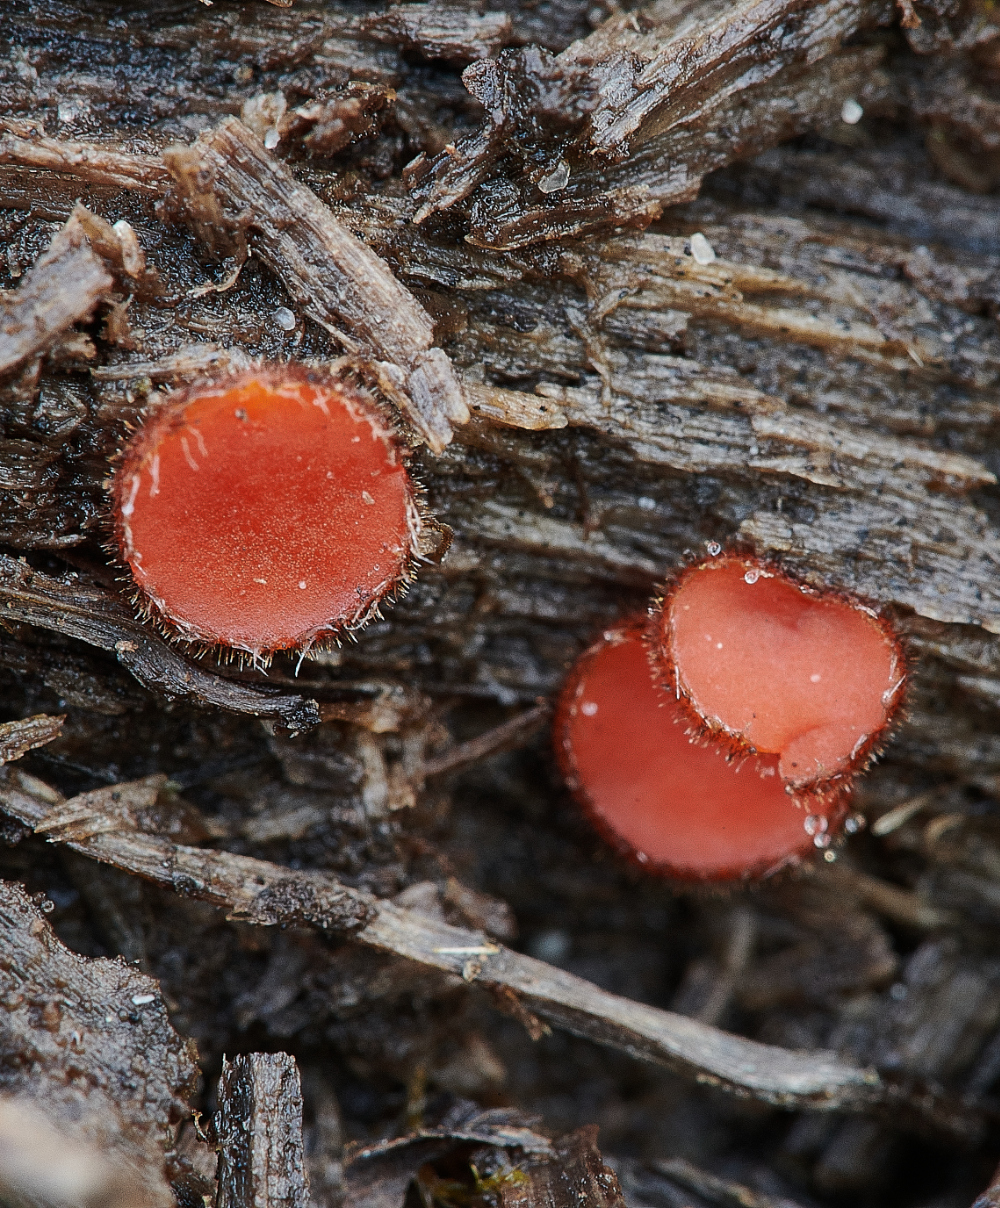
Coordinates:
column 264, row 511
column 774, row 667
column 677, row 806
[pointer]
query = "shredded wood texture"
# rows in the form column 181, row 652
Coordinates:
column 540, row 235
column 228, row 180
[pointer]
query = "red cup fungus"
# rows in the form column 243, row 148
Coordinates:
column 767, row 665
column 265, row 511
column 678, row 807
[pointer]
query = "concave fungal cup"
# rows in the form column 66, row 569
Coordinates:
column 678, row 807
column 765, row 664
column 265, row 511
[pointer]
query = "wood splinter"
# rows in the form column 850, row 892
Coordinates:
column 227, row 183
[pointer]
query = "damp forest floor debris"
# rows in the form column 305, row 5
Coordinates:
column 634, row 282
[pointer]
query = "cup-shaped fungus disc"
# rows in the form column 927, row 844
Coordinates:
column 814, row 678
column 265, row 510
column 678, row 807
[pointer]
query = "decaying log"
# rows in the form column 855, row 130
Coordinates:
column 805, row 356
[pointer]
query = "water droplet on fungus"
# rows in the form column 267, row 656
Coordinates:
column 238, row 508
column 690, row 812
column 813, row 678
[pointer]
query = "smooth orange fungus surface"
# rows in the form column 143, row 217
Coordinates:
column 813, row 679
column 679, row 807
column 265, row 510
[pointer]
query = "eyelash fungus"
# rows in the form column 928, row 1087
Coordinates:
column 764, row 664
column 265, row 511
column 675, row 806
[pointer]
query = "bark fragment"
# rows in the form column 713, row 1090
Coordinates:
column 89, row 1042
column 258, row 1130
column 62, row 288
column 377, row 1176
column 576, row 1173
column 227, row 183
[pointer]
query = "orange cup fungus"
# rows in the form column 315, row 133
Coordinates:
column 265, row 511
column 678, row 807
column 766, row 665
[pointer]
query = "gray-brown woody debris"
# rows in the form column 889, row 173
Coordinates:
column 377, row 1176
column 440, row 31
column 227, row 184
column 258, row 1130
column 23, row 143
column 90, row 1044
column 257, row 892
column 63, row 287
column 574, row 1174
column 104, row 620
column 651, row 89
column 17, row 738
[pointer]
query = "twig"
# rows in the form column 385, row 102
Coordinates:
column 190, row 360
column 509, row 734
column 256, row 891
column 23, row 144
column 103, row 620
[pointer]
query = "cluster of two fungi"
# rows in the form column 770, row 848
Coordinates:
column 714, row 740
